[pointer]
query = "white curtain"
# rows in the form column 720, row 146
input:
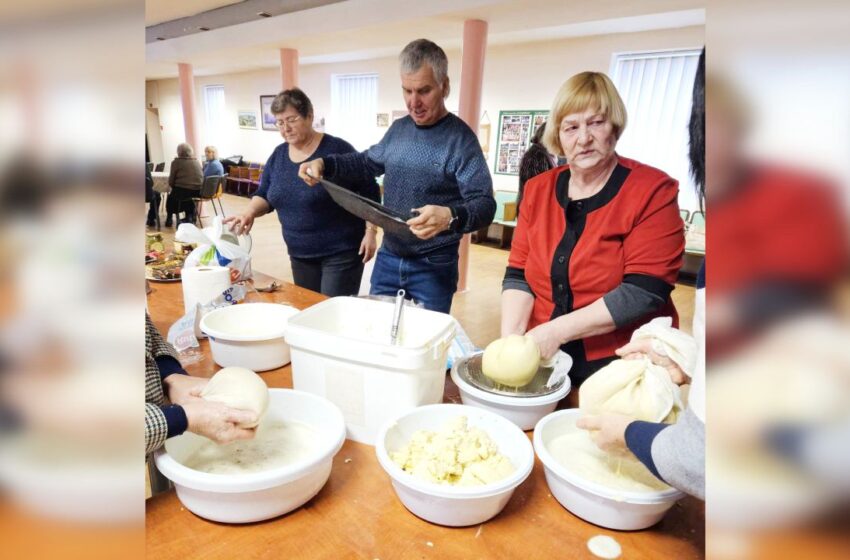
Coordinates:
column 215, row 120
column 354, row 108
column 657, row 89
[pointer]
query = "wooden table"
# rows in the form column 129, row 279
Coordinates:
column 357, row 514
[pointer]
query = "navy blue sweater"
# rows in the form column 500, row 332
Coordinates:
column 313, row 224
column 440, row 164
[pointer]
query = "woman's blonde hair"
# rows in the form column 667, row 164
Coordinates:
column 214, row 150
column 587, row 90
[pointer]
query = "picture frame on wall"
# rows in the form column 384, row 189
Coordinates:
column 266, row 112
column 248, row 119
column 515, row 129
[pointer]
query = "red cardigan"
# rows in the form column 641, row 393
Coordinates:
column 631, row 227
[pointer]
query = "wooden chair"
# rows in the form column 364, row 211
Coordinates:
column 254, row 176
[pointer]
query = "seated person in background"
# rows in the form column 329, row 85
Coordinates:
column 165, row 377
column 185, row 179
column 598, row 243
column 212, row 166
column 151, row 197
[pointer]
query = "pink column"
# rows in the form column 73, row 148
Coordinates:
column 471, row 81
column 187, row 101
column 289, row 68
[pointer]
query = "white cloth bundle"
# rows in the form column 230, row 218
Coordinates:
column 638, row 387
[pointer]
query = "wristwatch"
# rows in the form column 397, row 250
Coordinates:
column 453, row 223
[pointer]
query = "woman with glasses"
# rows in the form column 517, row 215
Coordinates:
column 327, row 246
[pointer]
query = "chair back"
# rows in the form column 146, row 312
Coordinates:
column 220, row 190
column 149, row 165
column 210, row 186
column 160, row 166
column 686, row 216
column 254, row 174
column 698, row 220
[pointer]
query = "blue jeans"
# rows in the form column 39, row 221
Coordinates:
column 430, row 280
column 334, row 275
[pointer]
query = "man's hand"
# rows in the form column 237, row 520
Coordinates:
column 184, row 388
column 239, row 224
column 608, row 431
column 368, row 245
column 430, row 221
column 312, row 171
column 643, row 347
column 218, row 422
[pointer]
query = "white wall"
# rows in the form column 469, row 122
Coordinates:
column 524, row 76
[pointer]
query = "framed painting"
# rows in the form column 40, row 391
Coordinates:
column 266, row 112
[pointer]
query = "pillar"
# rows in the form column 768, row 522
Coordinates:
column 289, row 68
column 471, row 85
column 187, row 101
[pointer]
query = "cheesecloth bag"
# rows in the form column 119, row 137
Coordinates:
column 637, row 387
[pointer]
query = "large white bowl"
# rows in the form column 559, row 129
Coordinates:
column 525, row 412
column 246, row 498
column 249, row 335
column 598, row 504
column 454, row 506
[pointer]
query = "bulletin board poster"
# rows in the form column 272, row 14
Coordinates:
column 515, row 131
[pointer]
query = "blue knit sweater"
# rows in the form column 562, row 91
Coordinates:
column 440, row 164
column 313, row 224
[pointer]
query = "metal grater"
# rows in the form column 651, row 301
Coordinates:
column 548, row 380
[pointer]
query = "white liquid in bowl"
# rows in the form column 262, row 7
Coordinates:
column 276, row 444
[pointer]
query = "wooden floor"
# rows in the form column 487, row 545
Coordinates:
column 477, row 309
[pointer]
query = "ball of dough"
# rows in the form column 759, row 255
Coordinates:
column 240, row 388
column 512, row 360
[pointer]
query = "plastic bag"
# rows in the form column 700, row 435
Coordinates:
column 216, row 246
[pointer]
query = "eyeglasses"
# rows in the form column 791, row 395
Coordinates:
column 289, row 121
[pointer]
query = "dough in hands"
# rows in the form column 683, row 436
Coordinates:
column 512, row 360
column 239, row 388
column 635, row 388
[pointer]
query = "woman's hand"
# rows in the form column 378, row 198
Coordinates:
column 184, row 388
column 312, row 171
column 369, row 244
column 643, row 347
column 217, row 421
column 547, row 339
column 240, row 224
column 608, row 431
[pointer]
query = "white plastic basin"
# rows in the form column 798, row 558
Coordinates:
column 598, row 504
column 525, row 412
column 454, row 506
column 249, row 335
column 250, row 497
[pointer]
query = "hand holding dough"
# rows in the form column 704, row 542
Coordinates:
column 512, row 360
column 239, row 388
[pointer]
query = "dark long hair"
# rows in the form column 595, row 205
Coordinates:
column 696, row 128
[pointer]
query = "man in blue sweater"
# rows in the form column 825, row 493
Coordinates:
column 434, row 168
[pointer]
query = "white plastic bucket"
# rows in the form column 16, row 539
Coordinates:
column 341, row 351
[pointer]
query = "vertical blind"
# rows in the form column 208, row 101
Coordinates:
column 354, row 106
column 657, row 89
column 215, row 117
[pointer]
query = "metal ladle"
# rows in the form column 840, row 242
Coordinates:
column 399, row 306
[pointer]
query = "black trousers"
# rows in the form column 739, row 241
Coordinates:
column 334, row 275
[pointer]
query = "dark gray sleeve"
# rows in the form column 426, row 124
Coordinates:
column 679, row 454
column 636, row 297
column 515, row 280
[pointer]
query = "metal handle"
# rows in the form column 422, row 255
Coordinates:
column 399, row 305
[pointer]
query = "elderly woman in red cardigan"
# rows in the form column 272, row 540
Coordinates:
column 599, row 242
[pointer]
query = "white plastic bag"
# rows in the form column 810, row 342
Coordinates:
column 216, row 246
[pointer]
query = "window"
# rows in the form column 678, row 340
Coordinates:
column 215, row 119
column 657, row 89
column 354, row 106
